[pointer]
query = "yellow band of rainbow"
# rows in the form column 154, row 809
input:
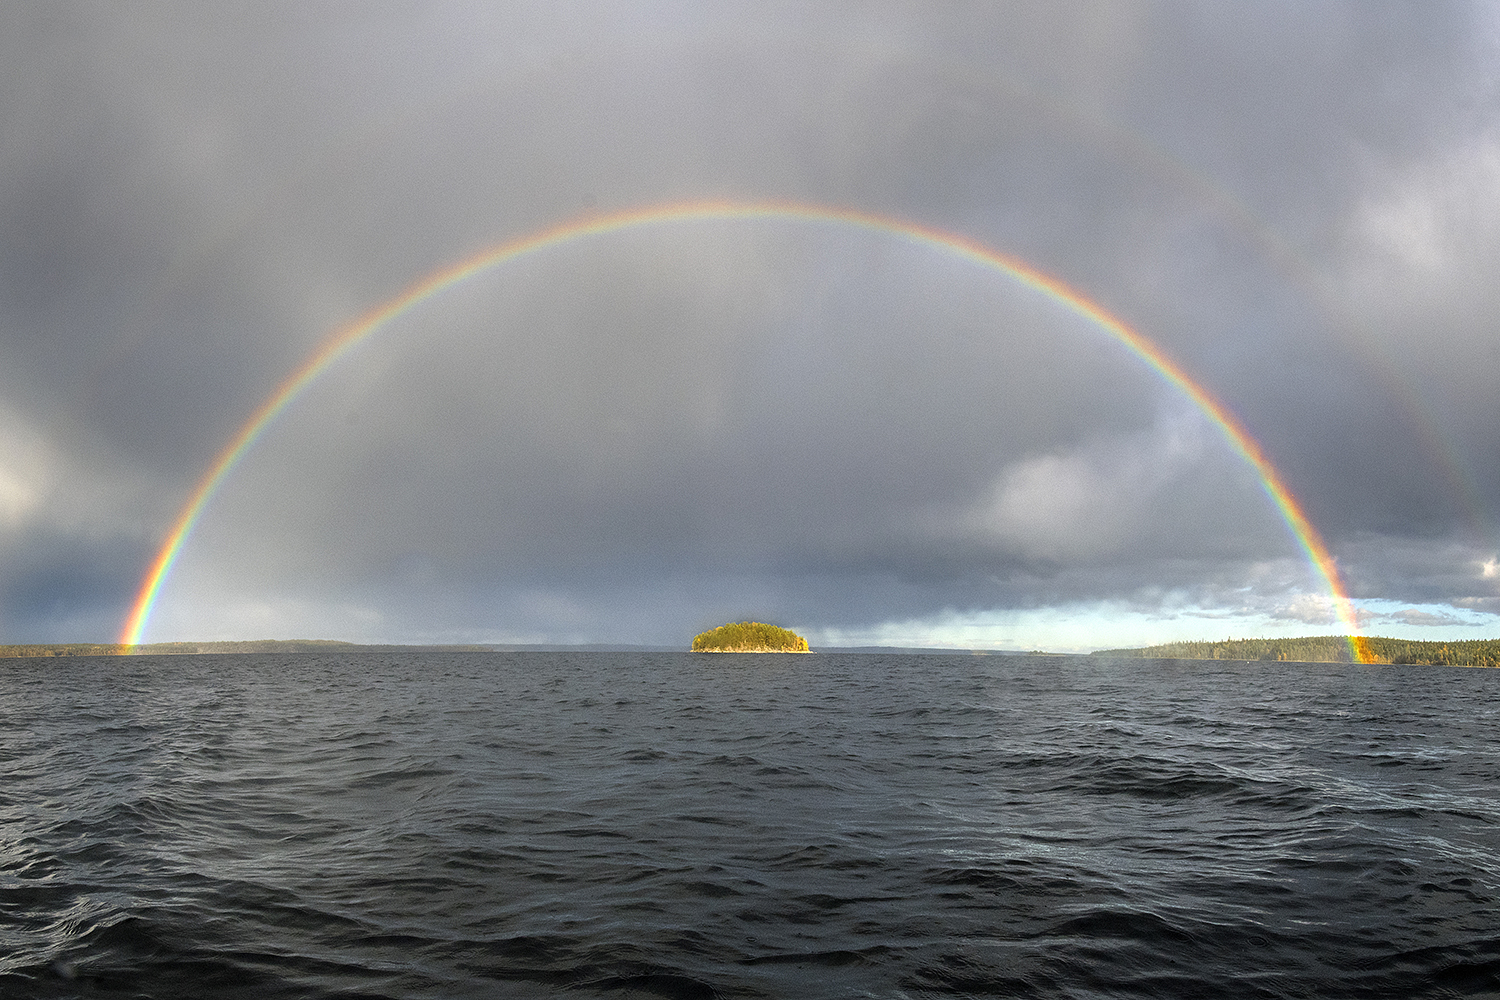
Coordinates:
column 602, row 223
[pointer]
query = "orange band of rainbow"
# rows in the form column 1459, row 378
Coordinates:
column 599, row 224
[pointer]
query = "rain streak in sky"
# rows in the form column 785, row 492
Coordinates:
column 631, row 433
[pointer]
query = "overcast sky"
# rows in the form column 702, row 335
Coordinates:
column 636, row 436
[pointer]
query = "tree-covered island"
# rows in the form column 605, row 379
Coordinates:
column 749, row 637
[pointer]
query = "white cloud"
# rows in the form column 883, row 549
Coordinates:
column 1416, row 616
column 1425, row 241
column 62, row 486
column 27, row 472
column 1307, row 609
column 1090, row 501
column 1070, row 628
column 1439, row 622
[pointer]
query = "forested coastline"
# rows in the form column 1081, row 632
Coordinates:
column 1326, row 649
column 748, row 636
column 184, row 648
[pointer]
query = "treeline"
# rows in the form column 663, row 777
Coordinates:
column 749, row 637
column 158, row 648
column 1327, row 649
column 250, row 646
column 66, row 649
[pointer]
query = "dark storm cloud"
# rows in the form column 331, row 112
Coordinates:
column 57, row 588
column 1299, row 202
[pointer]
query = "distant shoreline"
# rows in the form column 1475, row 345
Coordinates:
column 229, row 646
column 1314, row 649
column 1326, row 649
column 337, row 645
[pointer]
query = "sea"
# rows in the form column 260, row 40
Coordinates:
column 669, row 825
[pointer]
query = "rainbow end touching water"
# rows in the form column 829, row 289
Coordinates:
column 691, row 211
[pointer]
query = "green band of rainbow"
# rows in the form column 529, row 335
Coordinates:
column 600, row 224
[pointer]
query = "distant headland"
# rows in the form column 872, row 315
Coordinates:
column 756, row 637
column 749, row 637
column 1327, row 649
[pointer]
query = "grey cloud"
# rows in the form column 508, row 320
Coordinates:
column 192, row 199
column 1412, row 616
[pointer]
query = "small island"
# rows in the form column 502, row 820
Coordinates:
column 749, row 637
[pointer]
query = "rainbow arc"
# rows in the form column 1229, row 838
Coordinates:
column 596, row 225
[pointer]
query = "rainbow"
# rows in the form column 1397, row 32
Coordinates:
column 600, row 224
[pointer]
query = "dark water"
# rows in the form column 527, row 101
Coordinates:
column 642, row 825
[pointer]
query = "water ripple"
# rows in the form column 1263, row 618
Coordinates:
column 661, row 825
